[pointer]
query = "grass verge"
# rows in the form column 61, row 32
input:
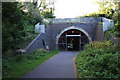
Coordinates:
column 15, row 67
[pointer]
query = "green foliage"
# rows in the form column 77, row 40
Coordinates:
column 48, row 13
column 106, row 7
column 36, row 54
column 11, row 13
column 109, row 9
column 17, row 32
column 32, row 13
column 15, row 67
column 16, row 28
column 95, row 14
column 18, row 24
column 12, row 25
column 99, row 60
column 6, row 67
column 113, row 32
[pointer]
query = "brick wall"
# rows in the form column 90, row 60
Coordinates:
column 53, row 29
column 99, row 35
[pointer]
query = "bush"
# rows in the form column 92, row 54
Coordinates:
column 20, row 57
column 6, row 67
column 99, row 60
column 36, row 54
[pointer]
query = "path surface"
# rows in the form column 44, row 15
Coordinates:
column 59, row 66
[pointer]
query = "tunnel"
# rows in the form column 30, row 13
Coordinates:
column 72, row 40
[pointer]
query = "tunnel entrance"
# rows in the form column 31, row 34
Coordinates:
column 72, row 40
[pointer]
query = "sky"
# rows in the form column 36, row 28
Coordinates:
column 74, row 8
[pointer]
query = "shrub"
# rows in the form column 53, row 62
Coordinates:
column 99, row 60
column 20, row 57
column 6, row 67
column 36, row 54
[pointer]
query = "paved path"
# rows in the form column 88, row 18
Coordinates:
column 59, row 66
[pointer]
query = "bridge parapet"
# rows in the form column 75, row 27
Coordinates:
column 74, row 20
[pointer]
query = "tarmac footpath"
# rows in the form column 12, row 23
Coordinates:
column 60, row 65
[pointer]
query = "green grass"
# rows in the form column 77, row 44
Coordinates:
column 21, row 64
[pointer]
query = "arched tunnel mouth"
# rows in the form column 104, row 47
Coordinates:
column 72, row 40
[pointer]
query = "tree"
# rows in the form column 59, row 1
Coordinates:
column 39, row 9
column 109, row 9
column 18, row 20
column 12, row 25
column 48, row 13
column 106, row 7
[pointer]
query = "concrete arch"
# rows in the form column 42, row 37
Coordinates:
column 73, row 27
